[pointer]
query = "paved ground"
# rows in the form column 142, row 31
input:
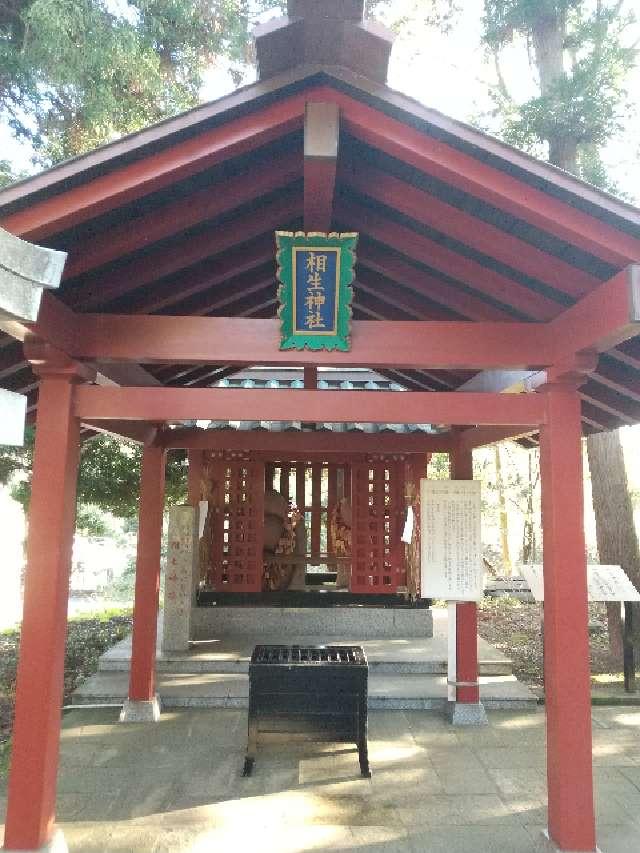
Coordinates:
column 175, row 787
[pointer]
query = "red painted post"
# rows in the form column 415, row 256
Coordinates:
column 143, row 657
column 467, row 669
column 36, row 731
column 566, row 636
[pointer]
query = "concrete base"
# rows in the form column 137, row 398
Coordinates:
column 365, row 623
column 57, row 844
column 467, row 714
column 140, row 712
column 545, row 832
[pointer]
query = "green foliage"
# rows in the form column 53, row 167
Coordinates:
column 432, row 13
column 108, row 478
column 581, row 59
column 88, row 637
column 503, row 19
column 74, row 74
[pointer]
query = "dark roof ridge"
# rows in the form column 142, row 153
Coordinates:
column 400, row 105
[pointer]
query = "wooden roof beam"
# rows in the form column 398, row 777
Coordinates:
column 478, row 178
column 158, row 170
column 56, row 324
column 472, row 274
column 618, row 377
column 469, row 230
column 606, row 317
column 473, row 437
column 321, row 140
column 200, row 206
column 206, row 276
column 102, row 288
column 373, row 256
column 160, row 405
column 415, row 306
column 292, row 443
column 138, row 431
column 603, row 319
column 231, row 340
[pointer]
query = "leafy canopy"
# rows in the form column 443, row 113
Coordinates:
column 75, row 74
column 581, row 55
column 108, row 476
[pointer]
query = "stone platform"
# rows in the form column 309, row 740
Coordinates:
column 404, row 672
column 329, row 622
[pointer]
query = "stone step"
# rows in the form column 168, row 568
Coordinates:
column 231, row 654
column 231, row 690
column 187, row 663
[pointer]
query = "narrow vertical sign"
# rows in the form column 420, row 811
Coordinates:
column 315, row 273
column 451, row 558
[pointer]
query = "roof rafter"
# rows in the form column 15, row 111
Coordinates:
column 178, row 216
column 102, row 288
column 461, row 170
column 472, row 274
column 472, row 231
column 158, row 170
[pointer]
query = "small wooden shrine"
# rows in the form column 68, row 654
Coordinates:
column 479, row 271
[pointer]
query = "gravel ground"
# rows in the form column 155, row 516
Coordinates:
column 514, row 627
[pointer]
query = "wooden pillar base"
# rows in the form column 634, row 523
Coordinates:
column 134, row 711
column 468, row 714
column 545, row 833
column 58, row 844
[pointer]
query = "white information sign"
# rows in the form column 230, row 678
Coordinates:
column 451, row 546
column 407, row 533
column 13, row 412
column 604, row 583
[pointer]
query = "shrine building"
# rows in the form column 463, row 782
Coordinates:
column 487, row 295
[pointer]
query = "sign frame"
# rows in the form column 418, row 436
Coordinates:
column 289, row 246
column 451, row 569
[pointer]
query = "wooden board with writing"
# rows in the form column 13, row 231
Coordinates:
column 451, row 555
column 604, row 583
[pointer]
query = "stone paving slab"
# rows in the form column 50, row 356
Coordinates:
column 176, row 786
column 231, row 654
column 231, row 689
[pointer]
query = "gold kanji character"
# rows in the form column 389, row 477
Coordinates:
column 316, row 263
column 314, row 280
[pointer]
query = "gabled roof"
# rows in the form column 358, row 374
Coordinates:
column 179, row 219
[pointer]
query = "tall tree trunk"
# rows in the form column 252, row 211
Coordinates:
column 504, row 521
column 549, row 33
column 529, row 545
column 615, row 527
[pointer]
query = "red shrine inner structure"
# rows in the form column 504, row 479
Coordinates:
column 479, row 271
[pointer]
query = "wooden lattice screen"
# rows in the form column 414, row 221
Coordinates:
column 235, row 524
column 313, row 487
column 378, row 509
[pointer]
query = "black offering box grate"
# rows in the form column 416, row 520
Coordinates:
column 308, row 693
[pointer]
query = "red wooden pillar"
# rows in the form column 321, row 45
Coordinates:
column 566, row 637
column 36, row 731
column 467, row 670
column 142, row 704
